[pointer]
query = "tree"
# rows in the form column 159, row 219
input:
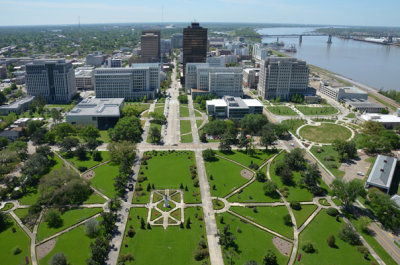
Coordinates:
column 224, row 146
column 155, row 135
column 283, row 170
column 346, row 150
column 349, row 235
column 295, row 159
column 4, row 221
column 53, row 218
column 92, row 144
column 188, row 223
column 253, row 123
column 56, row 115
column 80, row 152
column 130, row 111
column 3, row 98
column 142, row 224
column 364, row 222
column 67, row 144
column 99, row 249
column 287, row 220
column 308, row 248
column 347, row 192
column 244, row 141
column 108, row 222
column 209, row 154
column 270, row 188
column 267, row 136
column 96, row 155
column 158, row 118
column 58, row 259
column 92, row 228
column 62, row 130
column 128, row 129
column 331, row 241
column 122, row 151
column 385, row 209
column 39, row 136
column 260, row 176
column 90, row 133
column 3, row 142
column 270, row 258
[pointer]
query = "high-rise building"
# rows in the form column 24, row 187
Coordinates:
column 165, row 46
column 139, row 81
column 259, row 52
column 53, row 79
column 194, row 45
column 283, row 77
column 201, row 78
column 150, row 44
column 177, row 41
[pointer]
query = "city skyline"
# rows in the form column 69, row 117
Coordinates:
column 354, row 12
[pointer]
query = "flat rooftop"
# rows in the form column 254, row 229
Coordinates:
column 217, row 102
column 108, row 107
column 18, row 103
column 382, row 172
column 252, row 103
column 384, row 118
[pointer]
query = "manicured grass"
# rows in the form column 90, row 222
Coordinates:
column 21, row 212
column 327, row 153
column 225, row 176
column 104, row 137
column 325, row 133
column 188, row 138
column 270, row 217
column 317, row 232
column 314, row 111
column 253, row 193
column 75, row 244
column 199, row 123
column 294, row 124
column 303, row 214
column 324, row 202
column 375, row 245
column 282, row 110
column 159, row 108
column 185, row 126
column 260, row 156
column 94, row 198
column 89, row 162
column 168, row 170
column 252, row 242
column 197, row 113
column 7, row 206
column 104, row 179
column 10, row 240
column 139, row 105
column 384, row 102
column 70, row 218
column 371, row 160
column 156, row 125
column 158, row 246
column 295, row 192
column 184, row 110
column 351, row 115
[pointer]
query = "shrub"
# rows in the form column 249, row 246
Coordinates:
column 260, row 176
column 308, row 248
column 349, row 235
column 53, row 218
column 364, row 251
column 58, row 259
column 331, row 241
column 92, row 228
column 364, row 222
column 209, row 155
column 126, row 257
column 287, row 220
column 16, row 250
column 332, row 211
column 295, row 205
column 82, row 168
column 97, row 156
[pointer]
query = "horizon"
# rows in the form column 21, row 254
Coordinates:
column 310, row 12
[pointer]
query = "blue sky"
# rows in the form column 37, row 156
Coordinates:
column 339, row 12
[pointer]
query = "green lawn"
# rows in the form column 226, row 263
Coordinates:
column 282, row 110
column 94, row 198
column 10, row 240
column 260, row 156
column 188, row 138
column 184, row 110
column 199, row 123
column 314, row 111
column 295, row 192
column 139, row 105
column 70, row 218
column 104, row 137
column 77, row 253
column 327, row 153
column 158, row 109
column 197, row 113
column 253, row 193
column 7, row 206
column 89, row 162
column 158, row 246
column 21, row 212
column 371, row 160
column 303, row 214
column 153, row 124
column 252, row 242
column 325, row 133
column 225, row 176
column 186, row 126
column 351, row 115
column 168, row 170
column 104, row 179
column 294, row 124
column 270, row 217
column 317, row 232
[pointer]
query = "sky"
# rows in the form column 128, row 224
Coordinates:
column 332, row 12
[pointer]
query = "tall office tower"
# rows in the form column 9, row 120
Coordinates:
column 177, row 41
column 139, row 81
column 53, row 79
column 194, row 45
column 150, row 44
column 283, row 77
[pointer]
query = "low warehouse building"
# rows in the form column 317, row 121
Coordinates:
column 382, row 172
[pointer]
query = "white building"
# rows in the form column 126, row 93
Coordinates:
column 341, row 93
column 95, row 59
column 84, row 78
column 283, row 77
column 136, row 82
column 52, row 79
column 102, row 113
column 259, row 52
column 387, row 120
column 220, row 81
column 233, row 107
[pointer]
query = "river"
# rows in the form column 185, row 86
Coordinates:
column 372, row 64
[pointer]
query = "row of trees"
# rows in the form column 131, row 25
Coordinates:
column 376, row 139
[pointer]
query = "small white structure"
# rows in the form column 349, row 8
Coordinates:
column 233, row 107
column 387, row 120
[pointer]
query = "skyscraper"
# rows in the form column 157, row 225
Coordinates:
column 53, row 79
column 194, row 45
column 150, row 44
